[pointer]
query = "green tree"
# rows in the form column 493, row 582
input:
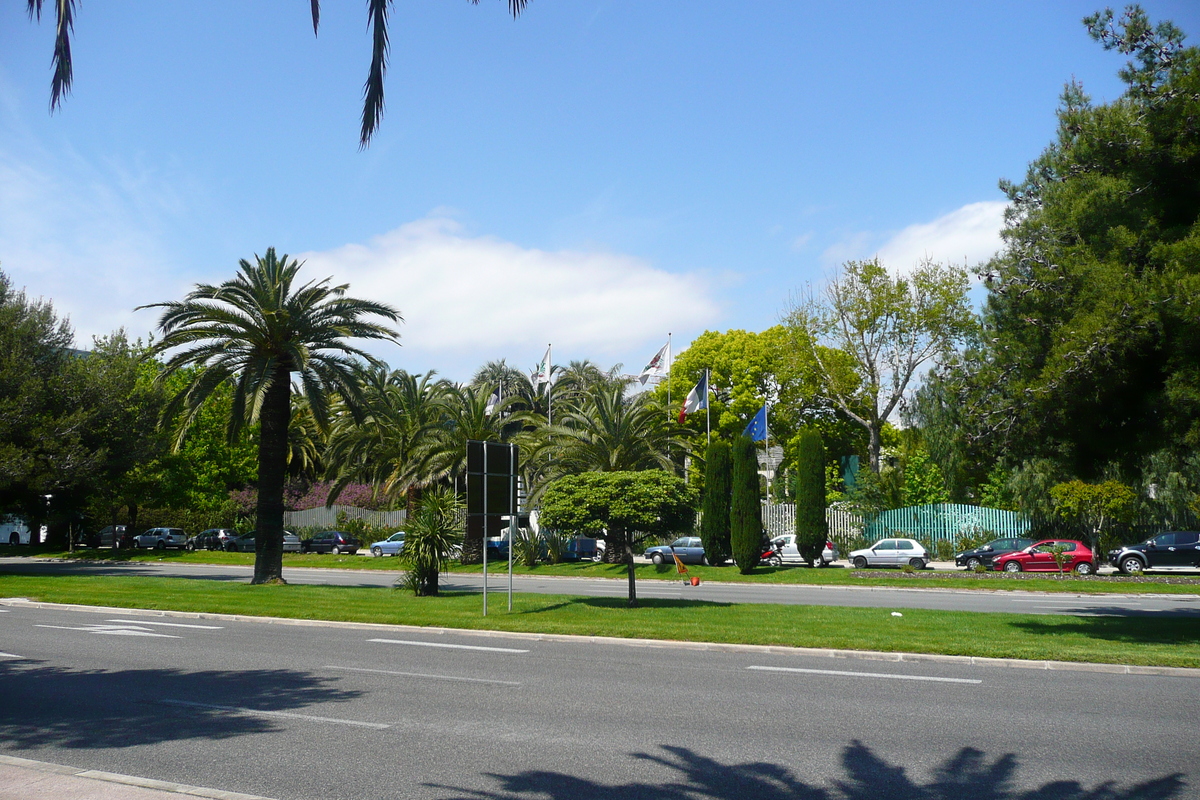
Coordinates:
column 623, row 508
column 377, row 12
column 812, row 528
column 1094, row 506
column 434, row 531
column 1092, row 352
column 887, row 326
column 718, row 494
column 257, row 329
column 745, row 507
column 923, row 480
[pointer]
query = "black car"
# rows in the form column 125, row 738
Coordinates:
column 993, row 549
column 334, row 542
column 582, row 548
column 211, row 539
column 1171, row 549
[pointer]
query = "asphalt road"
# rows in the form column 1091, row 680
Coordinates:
column 862, row 597
column 298, row 712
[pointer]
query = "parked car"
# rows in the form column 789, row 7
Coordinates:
column 390, row 546
column 246, row 543
column 1040, row 558
column 582, row 548
column 689, row 549
column 161, row 538
column 211, row 539
column 788, row 551
column 1171, row 549
column 984, row 554
column 891, row 553
column 335, row 542
column 115, row 536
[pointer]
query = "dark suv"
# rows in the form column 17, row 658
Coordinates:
column 334, row 542
column 993, row 549
column 1171, row 549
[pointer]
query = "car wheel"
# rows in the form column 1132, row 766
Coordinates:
column 1132, row 566
column 860, row 562
column 190, row 547
column 1084, row 568
column 704, row 561
column 775, row 560
column 597, row 557
column 337, row 551
column 657, row 558
column 973, row 564
column 377, row 551
column 160, row 545
column 14, row 539
column 916, row 563
column 1012, row 566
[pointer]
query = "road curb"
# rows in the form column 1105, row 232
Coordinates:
column 126, row 780
column 866, row 655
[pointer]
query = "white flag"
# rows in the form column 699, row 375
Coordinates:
column 657, row 368
column 493, row 400
column 542, row 375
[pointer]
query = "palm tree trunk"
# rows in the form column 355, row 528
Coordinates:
column 272, row 469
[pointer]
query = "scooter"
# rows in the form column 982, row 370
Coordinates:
column 771, row 556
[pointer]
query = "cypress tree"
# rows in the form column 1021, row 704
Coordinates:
column 745, row 511
column 714, row 524
column 812, row 530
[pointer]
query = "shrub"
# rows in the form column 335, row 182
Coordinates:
column 745, row 511
column 812, row 529
column 714, row 524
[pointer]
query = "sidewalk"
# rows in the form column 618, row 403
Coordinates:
column 24, row 779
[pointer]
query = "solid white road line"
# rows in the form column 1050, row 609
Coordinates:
column 254, row 712
column 866, row 674
column 167, row 624
column 112, row 630
column 11, row 655
column 450, row 646
column 422, row 675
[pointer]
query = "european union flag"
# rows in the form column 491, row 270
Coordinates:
column 757, row 429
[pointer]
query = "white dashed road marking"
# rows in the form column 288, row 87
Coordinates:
column 423, row 675
column 254, row 712
column 168, row 624
column 450, row 646
column 112, row 630
column 867, row 674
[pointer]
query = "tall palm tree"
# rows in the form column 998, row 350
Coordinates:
column 603, row 430
column 256, row 330
column 399, row 411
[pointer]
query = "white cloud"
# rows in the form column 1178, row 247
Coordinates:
column 970, row 234
column 469, row 299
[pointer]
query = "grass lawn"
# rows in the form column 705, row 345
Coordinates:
column 835, row 576
column 1120, row 640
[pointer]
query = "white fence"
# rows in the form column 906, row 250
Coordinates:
column 327, row 517
column 780, row 518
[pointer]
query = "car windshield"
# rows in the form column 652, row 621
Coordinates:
column 396, row 537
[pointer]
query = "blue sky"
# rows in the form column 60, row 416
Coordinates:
column 594, row 174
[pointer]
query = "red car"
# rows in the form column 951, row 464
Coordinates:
column 1040, row 558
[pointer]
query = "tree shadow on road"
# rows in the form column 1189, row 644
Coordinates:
column 966, row 775
column 48, row 706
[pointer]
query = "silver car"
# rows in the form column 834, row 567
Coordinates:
column 786, row 545
column 161, row 538
column 891, row 553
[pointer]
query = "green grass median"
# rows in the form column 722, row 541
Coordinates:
column 1167, row 583
column 1154, row 641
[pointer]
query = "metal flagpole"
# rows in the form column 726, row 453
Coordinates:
column 512, row 514
column 485, row 526
column 549, row 372
column 668, row 374
column 767, row 434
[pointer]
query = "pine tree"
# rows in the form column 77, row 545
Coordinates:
column 812, row 530
column 745, row 511
column 714, row 525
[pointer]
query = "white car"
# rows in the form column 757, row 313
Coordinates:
column 891, row 553
column 161, row 538
column 786, row 545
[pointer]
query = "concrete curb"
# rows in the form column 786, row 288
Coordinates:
column 866, row 655
column 126, row 780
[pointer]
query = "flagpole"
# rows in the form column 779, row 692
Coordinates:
column 767, row 434
column 549, row 383
column 668, row 373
